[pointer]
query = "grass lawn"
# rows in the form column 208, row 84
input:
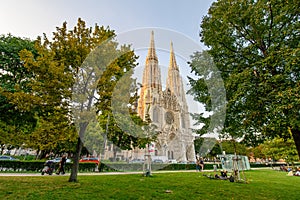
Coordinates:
column 263, row 184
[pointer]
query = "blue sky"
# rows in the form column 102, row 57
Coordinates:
column 32, row 18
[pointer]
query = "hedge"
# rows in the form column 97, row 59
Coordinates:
column 259, row 165
column 106, row 167
column 37, row 166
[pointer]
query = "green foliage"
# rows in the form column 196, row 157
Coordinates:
column 49, row 98
column 255, row 45
column 38, row 165
column 117, row 96
column 231, row 146
column 208, row 89
column 94, row 138
column 278, row 148
column 12, row 68
column 78, row 68
column 256, row 152
column 197, row 144
column 15, row 123
column 216, row 150
column 207, row 147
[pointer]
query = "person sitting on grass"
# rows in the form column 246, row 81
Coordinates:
column 297, row 173
column 223, row 175
column 285, row 169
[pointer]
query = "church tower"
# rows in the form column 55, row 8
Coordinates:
column 151, row 83
column 175, row 85
column 167, row 108
column 173, row 79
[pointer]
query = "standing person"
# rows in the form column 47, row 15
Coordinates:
column 198, row 167
column 62, row 163
column 201, row 163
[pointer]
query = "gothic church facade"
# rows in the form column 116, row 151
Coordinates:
column 167, row 108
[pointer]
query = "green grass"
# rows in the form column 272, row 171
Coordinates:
column 263, row 184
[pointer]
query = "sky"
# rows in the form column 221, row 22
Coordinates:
column 172, row 20
column 32, row 18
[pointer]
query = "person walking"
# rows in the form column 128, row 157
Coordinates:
column 201, row 163
column 62, row 163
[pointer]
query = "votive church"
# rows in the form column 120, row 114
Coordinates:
column 168, row 111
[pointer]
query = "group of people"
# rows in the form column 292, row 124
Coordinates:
column 290, row 170
column 199, row 164
column 223, row 175
column 295, row 172
column 284, row 168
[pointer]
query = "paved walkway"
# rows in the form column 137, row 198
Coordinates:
column 114, row 173
column 98, row 173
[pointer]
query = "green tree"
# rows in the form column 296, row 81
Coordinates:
column 94, row 138
column 15, row 124
column 232, row 147
column 278, row 148
column 53, row 134
column 255, row 45
column 68, row 55
column 48, row 97
column 216, row 150
column 257, row 152
column 198, row 143
column 208, row 147
column 93, row 62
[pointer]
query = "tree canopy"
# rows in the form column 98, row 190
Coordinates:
column 15, row 123
column 79, row 69
column 278, row 148
column 255, row 45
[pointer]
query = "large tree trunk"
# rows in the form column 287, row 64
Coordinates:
column 75, row 166
column 74, row 171
column 296, row 137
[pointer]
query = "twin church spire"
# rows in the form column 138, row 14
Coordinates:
column 152, row 87
column 152, row 70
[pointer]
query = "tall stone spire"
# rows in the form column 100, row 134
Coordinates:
column 173, row 63
column 151, row 83
column 151, row 51
column 174, row 83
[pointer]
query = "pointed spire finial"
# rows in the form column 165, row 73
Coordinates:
column 173, row 64
column 151, row 51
